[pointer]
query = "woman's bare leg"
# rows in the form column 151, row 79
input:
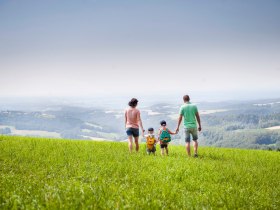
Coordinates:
column 136, row 143
column 130, row 144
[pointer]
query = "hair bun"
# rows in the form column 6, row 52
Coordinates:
column 133, row 102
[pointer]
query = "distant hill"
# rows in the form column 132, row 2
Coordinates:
column 243, row 124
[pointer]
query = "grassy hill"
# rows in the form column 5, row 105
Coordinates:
column 65, row 174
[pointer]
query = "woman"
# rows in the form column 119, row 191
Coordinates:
column 132, row 123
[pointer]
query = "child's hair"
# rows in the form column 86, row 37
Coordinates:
column 150, row 129
column 163, row 123
column 133, row 102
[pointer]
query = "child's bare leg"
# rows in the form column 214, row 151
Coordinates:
column 130, row 144
column 136, row 143
column 166, row 148
column 162, row 151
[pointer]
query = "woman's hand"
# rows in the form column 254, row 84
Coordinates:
column 143, row 132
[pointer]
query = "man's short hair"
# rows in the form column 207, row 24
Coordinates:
column 186, row 98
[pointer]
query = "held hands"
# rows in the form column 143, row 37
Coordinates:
column 177, row 130
column 143, row 132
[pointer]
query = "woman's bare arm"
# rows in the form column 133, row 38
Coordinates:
column 140, row 123
column 125, row 119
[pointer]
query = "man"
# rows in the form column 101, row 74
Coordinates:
column 191, row 116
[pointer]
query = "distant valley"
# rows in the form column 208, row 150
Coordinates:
column 242, row 124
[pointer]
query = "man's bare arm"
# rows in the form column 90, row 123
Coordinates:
column 198, row 121
column 179, row 123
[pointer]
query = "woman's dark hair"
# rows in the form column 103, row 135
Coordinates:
column 133, row 102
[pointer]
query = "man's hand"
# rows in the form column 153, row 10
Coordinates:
column 177, row 130
column 199, row 128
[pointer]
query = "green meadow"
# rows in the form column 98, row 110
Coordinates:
column 40, row 173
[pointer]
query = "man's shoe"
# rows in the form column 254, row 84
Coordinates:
column 195, row 155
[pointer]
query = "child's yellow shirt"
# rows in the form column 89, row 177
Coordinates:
column 150, row 141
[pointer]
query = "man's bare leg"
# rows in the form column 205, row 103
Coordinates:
column 188, row 148
column 195, row 146
column 130, row 144
column 136, row 143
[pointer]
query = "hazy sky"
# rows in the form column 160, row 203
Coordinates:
column 89, row 47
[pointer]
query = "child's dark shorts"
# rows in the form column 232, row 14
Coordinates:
column 153, row 150
column 163, row 145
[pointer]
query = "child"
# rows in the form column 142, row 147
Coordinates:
column 164, row 137
column 151, row 141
